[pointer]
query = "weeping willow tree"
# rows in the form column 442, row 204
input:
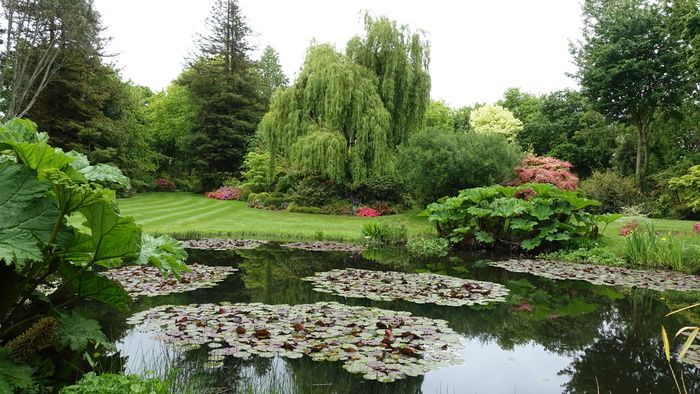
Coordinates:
column 345, row 114
column 332, row 121
column 400, row 60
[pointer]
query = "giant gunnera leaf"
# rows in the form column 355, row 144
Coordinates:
column 28, row 215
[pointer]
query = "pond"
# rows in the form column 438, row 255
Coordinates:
column 550, row 336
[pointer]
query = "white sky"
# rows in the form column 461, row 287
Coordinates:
column 479, row 47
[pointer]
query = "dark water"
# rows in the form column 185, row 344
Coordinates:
column 577, row 338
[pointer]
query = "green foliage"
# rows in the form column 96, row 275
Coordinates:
column 301, row 209
column 528, row 216
column 13, row 376
column 257, row 174
column 164, row 252
column 439, row 116
column 315, row 191
column 586, row 255
column 40, row 188
column 437, row 163
column 612, row 190
column 399, row 59
column 632, row 65
column 92, row 383
column 647, row 248
column 76, row 332
column 381, row 188
column 428, row 247
column 270, row 73
column 688, row 188
column 321, row 153
column 494, row 119
column 383, row 233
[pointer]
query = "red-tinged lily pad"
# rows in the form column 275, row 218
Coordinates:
column 325, row 246
column 222, row 244
column 604, row 275
column 413, row 346
column 140, row 280
column 422, row 288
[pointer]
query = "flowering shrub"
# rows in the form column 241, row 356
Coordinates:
column 226, row 193
column 367, row 212
column 164, row 185
column 696, row 228
column 629, row 228
column 546, row 169
column 383, row 207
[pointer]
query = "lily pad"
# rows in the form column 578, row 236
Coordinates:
column 422, row 288
column 380, row 344
column 222, row 244
column 140, row 280
column 325, row 246
column 604, row 275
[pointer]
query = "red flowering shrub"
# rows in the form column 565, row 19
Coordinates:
column 164, row 185
column 546, row 169
column 226, row 193
column 629, row 228
column 696, row 228
column 367, row 212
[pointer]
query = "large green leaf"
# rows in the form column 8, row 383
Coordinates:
column 21, row 130
column 38, row 156
column 13, row 376
column 76, row 332
column 87, row 284
column 164, row 252
column 113, row 236
column 28, row 215
column 99, row 172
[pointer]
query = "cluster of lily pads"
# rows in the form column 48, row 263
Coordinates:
column 327, row 246
column 140, row 280
column 604, row 275
column 222, row 244
column 422, row 288
column 382, row 345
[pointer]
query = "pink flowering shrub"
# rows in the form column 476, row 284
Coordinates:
column 367, row 212
column 226, row 193
column 696, row 228
column 164, row 185
column 629, row 228
column 546, row 169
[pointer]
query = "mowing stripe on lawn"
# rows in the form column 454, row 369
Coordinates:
column 156, row 210
column 185, row 215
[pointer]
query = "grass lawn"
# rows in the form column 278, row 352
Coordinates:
column 193, row 214
column 611, row 237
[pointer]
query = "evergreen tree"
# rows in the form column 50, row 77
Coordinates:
column 271, row 74
column 222, row 83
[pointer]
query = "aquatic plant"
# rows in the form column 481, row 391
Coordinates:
column 422, row 288
column 380, row 344
column 222, row 244
column 324, row 246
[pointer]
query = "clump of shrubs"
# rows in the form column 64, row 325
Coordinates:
column 612, row 190
column 367, row 212
column 382, row 233
column 265, row 200
column 226, row 193
column 546, row 169
column 164, row 185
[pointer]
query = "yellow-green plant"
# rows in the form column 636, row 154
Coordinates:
column 692, row 332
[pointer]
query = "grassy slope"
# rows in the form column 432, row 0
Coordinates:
column 180, row 213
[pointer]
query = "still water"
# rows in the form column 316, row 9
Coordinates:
column 551, row 337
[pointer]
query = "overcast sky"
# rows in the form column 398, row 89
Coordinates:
column 479, row 47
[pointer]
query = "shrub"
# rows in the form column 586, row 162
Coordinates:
column 629, row 227
column 315, row 191
column 436, row 163
column 164, row 185
column 688, row 188
column 299, row 209
column 116, row 384
column 367, row 212
column 495, row 216
column 257, row 174
column 338, row 207
column 226, row 193
column 428, row 247
column 696, row 228
column 267, row 200
column 594, row 255
column 378, row 188
column 612, row 190
column 384, row 208
column 545, row 169
column 384, row 233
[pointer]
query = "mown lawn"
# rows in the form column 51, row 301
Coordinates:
column 193, row 214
